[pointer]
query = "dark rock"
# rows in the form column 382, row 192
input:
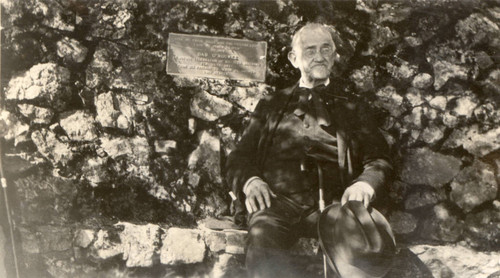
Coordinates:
column 423, row 166
column 236, row 242
column 482, row 229
column 477, row 29
column 112, row 20
column 442, row 225
column 483, row 60
column 487, row 113
column 45, row 199
column 473, row 186
column 381, row 37
column 53, row 238
column 206, row 157
column 423, row 198
column 402, row 222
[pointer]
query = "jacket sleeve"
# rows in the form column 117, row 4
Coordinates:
column 374, row 154
column 242, row 162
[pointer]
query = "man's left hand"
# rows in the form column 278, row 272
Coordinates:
column 359, row 191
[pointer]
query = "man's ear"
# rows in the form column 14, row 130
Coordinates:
column 292, row 57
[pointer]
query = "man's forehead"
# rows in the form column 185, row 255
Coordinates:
column 315, row 37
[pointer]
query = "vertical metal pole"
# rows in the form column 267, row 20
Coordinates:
column 9, row 219
column 321, row 208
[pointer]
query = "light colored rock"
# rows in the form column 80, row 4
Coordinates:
column 439, row 103
column 106, row 112
column 414, row 120
column 423, row 166
column 457, row 261
column 248, row 98
column 227, row 265
column 37, row 115
column 442, row 224
column 402, row 222
column 413, row 41
column 53, row 15
column 182, row 246
column 475, row 142
column 414, row 97
column 135, row 149
column 71, row 50
column 79, row 125
column 422, row 81
column 444, row 70
column 11, row 127
column 390, row 100
column 165, row 146
column 473, row 186
column 403, row 72
column 216, row 241
column 47, row 83
column 465, row 106
column 492, row 83
column 208, row 107
column 84, row 238
column 487, row 113
column 139, row 243
column 206, row 157
column 50, row 147
column 432, row 134
column 96, row 171
column 450, row 120
column 363, row 78
column 105, row 248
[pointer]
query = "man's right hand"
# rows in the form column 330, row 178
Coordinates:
column 258, row 195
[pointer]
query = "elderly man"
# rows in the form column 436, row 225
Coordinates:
column 312, row 133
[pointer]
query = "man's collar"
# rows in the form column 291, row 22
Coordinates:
column 302, row 84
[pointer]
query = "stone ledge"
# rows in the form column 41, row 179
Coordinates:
column 151, row 245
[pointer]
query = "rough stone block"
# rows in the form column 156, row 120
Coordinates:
column 79, row 125
column 457, row 261
column 106, row 245
column 216, row 241
column 206, row 157
column 139, row 243
column 37, row 115
column 423, row 166
column 71, row 50
column 402, row 222
column 84, row 238
column 182, row 246
column 235, row 242
column 474, row 186
column 441, row 224
column 208, row 107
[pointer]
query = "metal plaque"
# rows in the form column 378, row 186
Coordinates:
column 215, row 57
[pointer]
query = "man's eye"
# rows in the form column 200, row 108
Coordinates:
column 326, row 50
column 310, row 52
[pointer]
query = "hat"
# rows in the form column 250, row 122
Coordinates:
column 357, row 242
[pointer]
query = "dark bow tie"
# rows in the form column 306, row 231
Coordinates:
column 312, row 106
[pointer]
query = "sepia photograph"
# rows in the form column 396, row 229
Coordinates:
column 250, row 138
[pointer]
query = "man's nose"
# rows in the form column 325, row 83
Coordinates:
column 318, row 56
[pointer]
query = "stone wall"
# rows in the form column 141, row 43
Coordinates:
column 99, row 138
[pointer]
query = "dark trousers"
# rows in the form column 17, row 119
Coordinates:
column 272, row 232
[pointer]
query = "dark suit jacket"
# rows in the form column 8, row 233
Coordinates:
column 362, row 150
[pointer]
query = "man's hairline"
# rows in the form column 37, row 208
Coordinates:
column 298, row 35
